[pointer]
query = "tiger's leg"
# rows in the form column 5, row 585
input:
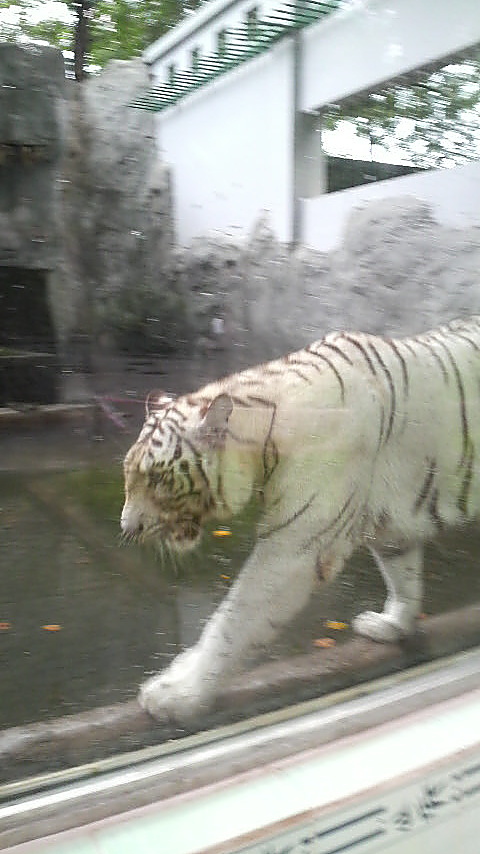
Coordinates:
column 402, row 573
column 274, row 584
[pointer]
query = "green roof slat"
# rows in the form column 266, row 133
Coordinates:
column 316, row 8
column 241, row 45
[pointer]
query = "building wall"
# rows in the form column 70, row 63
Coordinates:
column 230, row 148
column 357, row 49
column 249, row 142
column 452, row 194
column 200, row 31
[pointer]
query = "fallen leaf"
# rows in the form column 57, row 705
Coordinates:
column 4, row 627
column 225, row 577
column 324, row 643
column 335, row 624
column 52, row 627
column 222, row 533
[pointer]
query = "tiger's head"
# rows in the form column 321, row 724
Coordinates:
column 171, row 486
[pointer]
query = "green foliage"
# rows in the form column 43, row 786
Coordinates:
column 121, row 29
column 118, row 29
column 435, row 119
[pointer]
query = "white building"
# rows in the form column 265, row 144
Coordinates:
column 240, row 86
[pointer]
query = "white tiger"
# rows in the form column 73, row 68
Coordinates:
column 355, row 440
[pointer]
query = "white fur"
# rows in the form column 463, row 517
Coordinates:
column 338, row 445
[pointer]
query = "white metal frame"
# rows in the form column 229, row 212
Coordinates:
column 397, row 768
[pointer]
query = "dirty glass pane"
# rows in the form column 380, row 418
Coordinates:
column 151, row 245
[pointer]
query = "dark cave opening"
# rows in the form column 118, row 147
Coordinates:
column 29, row 369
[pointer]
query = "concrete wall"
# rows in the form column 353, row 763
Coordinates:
column 452, row 194
column 231, row 149
column 360, row 47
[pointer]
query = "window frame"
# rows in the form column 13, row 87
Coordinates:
column 160, row 776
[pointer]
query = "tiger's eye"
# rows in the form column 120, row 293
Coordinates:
column 184, row 466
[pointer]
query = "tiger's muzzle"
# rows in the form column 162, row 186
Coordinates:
column 180, row 533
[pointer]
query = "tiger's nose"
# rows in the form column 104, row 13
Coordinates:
column 131, row 521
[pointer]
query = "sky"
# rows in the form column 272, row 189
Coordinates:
column 44, row 10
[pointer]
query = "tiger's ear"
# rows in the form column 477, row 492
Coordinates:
column 157, row 400
column 213, row 426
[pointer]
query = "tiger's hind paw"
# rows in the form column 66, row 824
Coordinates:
column 378, row 627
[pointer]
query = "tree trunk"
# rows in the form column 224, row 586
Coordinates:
column 81, row 40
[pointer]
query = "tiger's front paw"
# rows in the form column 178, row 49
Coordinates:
column 180, row 693
column 379, row 627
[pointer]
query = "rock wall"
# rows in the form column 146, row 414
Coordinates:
column 397, row 271
column 117, row 283
column 31, row 89
column 85, row 201
column 116, row 218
